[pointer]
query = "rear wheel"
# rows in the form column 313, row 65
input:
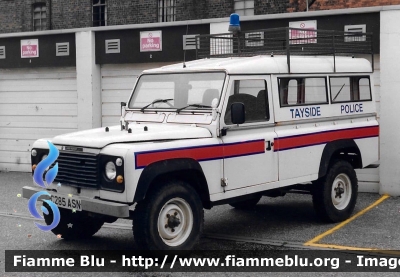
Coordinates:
column 171, row 217
column 246, row 204
column 73, row 225
column 335, row 195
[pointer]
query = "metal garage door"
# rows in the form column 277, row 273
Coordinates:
column 117, row 81
column 34, row 103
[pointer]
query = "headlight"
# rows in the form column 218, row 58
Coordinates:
column 110, row 170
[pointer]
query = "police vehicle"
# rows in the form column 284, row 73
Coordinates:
column 288, row 111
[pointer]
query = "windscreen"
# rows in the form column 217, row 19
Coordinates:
column 176, row 91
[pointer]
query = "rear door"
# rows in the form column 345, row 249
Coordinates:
column 249, row 157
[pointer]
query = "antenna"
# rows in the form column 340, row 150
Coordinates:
column 184, row 51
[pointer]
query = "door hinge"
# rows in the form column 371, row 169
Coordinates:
column 224, row 183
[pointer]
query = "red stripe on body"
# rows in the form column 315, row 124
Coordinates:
column 319, row 138
column 201, row 153
column 244, row 148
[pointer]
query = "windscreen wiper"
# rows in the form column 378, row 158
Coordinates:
column 156, row 101
column 192, row 105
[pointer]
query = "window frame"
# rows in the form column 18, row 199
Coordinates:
column 98, row 6
column 303, row 104
column 350, row 76
column 162, row 8
column 244, row 9
column 237, row 89
column 40, row 5
column 209, row 110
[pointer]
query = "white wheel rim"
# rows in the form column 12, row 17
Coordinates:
column 171, row 232
column 341, row 191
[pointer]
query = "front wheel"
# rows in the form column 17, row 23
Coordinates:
column 335, row 195
column 171, row 217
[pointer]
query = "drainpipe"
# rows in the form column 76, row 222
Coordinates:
column 50, row 14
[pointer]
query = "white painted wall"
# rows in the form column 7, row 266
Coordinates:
column 88, row 81
column 390, row 99
column 45, row 102
column 219, row 27
column 368, row 178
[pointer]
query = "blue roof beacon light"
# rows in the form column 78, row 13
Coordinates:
column 234, row 23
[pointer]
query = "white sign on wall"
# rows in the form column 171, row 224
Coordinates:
column 300, row 36
column 29, row 48
column 150, row 41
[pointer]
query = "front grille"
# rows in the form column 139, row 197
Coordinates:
column 77, row 169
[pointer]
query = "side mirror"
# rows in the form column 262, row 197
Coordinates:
column 123, row 107
column 237, row 113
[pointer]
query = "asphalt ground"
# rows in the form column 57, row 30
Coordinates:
column 274, row 224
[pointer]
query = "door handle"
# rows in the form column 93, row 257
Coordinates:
column 269, row 145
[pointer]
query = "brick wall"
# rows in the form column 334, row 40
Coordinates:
column 199, row 9
column 191, row 9
column 120, row 12
column 16, row 15
column 219, row 8
column 270, row 6
column 300, row 5
column 71, row 14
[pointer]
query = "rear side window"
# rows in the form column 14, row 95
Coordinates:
column 302, row 91
column 350, row 89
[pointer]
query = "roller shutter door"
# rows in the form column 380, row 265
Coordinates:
column 34, row 103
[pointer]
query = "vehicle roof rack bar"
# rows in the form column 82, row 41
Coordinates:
column 285, row 41
column 288, row 49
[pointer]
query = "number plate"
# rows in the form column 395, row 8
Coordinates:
column 71, row 203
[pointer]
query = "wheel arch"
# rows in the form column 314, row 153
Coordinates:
column 345, row 149
column 185, row 169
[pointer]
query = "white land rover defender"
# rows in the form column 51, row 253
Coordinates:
column 226, row 129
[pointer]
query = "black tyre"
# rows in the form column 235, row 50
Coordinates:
column 335, row 195
column 73, row 225
column 246, row 204
column 170, row 217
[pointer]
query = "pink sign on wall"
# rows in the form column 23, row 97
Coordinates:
column 304, row 32
column 150, row 41
column 29, row 48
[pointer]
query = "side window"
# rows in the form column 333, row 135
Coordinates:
column 349, row 89
column 302, row 91
column 253, row 94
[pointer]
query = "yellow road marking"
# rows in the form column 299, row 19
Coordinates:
column 313, row 242
column 351, row 248
column 342, row 247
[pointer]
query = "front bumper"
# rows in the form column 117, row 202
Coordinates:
column 88, row 204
